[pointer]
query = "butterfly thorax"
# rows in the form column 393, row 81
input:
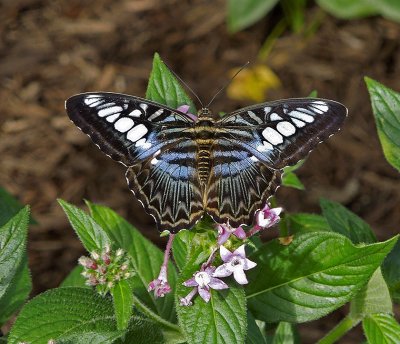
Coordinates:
column 204, row 132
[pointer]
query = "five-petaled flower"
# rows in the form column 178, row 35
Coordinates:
column 234, row 263
column 202, row 281
column 225, row 231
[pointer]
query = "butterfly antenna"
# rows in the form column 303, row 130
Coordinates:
column 226, row 85
column 185, row 84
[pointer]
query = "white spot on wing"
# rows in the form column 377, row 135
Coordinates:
column 299, row 124
column 307, row 111
column 136, row 133
column 302, row 116
column 124, row 124
column 253, row 158
column 265, row 146
column 144, row 106
column 135, row 113
column 267, row 110
column 91, row 99
column 321, row 106
column 275, row 117
column 112, row 118
column 286, row 128
column 142, row 143
column 109, row 111
column 154, row 161
column 272, row 136
column 156, row 114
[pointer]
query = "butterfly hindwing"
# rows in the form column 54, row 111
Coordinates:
column 168, row 187
column 127, row 128
column 238, row 185
column 283, row 132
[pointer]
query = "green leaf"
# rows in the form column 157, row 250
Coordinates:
column 146, row 261
column 143, row 331
column 61, row 312
column 165, row 89
column 313, row 94
column 389, row 9
column 343, row 221
column 373, row 298
column 391, row 272
column 291, row 180
column 243, row 13
column 181, row 247
column 221, row 320
column 254, row 334
column 381, row 329
column 305, row 223
column 286, row 334
column 311, row 277
column 90, row 337
column 348, row 9
column 123, row 303
column 17, row 293
column 386, row 108
column 15, row 282
column 192, row 243
column 75, row 279
column 294, row 167
column 92, row 236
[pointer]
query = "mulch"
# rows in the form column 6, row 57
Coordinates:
column 50, row 50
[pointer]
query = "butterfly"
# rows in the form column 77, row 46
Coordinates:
column 180, row 168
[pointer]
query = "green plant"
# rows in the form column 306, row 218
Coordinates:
column 243, row 13
column 319, row 263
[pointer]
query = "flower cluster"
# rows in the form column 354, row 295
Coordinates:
column 103, row 269
column 234, row 263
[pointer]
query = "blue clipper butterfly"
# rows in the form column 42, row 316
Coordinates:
column 180, row 169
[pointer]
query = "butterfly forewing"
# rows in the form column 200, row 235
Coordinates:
column 283, row 132
column 127, row 128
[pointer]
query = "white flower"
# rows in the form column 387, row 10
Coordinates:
column 234, row 263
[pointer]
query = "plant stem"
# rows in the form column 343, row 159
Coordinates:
column 168, row 249
column 147, row 311
column 339, row 330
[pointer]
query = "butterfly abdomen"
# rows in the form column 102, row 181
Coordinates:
column 203, row 161
column 204, row 137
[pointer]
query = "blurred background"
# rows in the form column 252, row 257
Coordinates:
column 50, row 50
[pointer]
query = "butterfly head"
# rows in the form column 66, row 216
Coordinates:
column 204, row 113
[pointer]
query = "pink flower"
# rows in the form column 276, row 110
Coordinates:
column 225, row 231
column 234, row 263
column 160, row 285
column 268, row 217
column 185, row 109
column 265, row 218
column 202, row 281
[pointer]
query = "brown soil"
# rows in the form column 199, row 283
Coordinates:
column 51, row 50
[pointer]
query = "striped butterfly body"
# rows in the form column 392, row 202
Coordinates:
column 180, row 168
